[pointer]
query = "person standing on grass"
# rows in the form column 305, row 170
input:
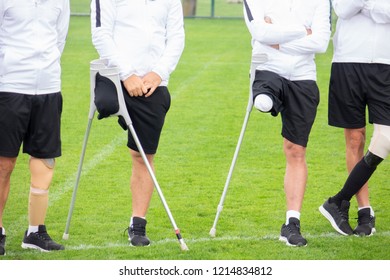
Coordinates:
column 336, row 208
column 289, row 33
column 145, row 39
column 32, row 38
column 360, row 79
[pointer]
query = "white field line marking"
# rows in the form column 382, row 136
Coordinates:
column 215, row 239
column 187, row 82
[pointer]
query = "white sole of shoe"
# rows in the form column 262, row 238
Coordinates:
column 331, row 220
column 32, row 246
column 285, row 240
column 131, row 245
column 373, row 230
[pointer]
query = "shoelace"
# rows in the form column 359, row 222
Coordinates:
column 294, row 228
column 343, row 211
column 43, row 235
column 136, row 230
column 364, row 220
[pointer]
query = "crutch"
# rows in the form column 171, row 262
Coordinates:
column 95, row 66
column 256, row 60
column 113, row 75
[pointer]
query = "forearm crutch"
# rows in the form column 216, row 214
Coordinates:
column 95, row 66
column 256, row 60
column 113, row 75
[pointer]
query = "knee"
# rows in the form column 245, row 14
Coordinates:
column 355, row 138
column 7, row 165
column 294, row 152
column 372, row 160
column 138, row 160
column 380, row 141
column 41, row 172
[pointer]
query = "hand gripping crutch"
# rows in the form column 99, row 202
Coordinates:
column 256, row 60
column 113, row 75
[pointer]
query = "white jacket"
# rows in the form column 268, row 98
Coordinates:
column 139, row 36
column 32, row 38
column 362, row 31
column 290, row 18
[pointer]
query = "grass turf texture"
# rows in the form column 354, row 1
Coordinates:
column 209, row 95
column 222, row 8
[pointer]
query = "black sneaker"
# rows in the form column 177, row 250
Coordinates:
column 366, row 223
column 137, row 233
column 40, row 240
column 2, row 242
column 291, row 233
column 337, row 216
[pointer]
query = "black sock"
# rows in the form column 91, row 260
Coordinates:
column 355, row 181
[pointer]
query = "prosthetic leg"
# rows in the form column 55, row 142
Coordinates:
column 41, row 176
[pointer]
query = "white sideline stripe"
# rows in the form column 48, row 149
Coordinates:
column 56, row 194
column 187, row 82
column 88, row 166
column 215, row 239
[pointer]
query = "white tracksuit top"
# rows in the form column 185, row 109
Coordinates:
column 139, row 36
column 32, row 38
column 290, row 18
column 362, row 32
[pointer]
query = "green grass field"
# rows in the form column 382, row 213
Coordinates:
column 222, row 8
column 209, row 94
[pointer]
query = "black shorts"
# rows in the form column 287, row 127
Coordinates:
column 33, row 120
column 353, row 88
column 147, row 115
column 297, row 102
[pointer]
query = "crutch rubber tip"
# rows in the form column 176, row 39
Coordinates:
column 65, row 236
column 213, row 232
column 184, row 247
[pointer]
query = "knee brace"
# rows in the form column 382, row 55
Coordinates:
column 372, row 160
column 41, row 174
column 380, row 141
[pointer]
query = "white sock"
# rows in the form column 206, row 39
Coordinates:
column 263, row 103
column 3, row 231
column 371, row 210
column 32, row 229
column 292, row 214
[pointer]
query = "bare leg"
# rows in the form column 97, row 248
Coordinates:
column 294, row 186
column 7, row 165
column 296, row 175
column 141, row 184
column 355, row 141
